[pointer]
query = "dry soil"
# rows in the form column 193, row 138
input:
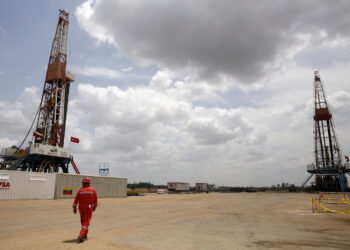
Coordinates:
column 177, row 221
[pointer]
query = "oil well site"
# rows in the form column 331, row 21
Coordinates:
column 43, row 170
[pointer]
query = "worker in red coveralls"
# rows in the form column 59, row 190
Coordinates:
column 87, row 200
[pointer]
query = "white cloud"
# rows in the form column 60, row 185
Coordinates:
column 157, row 133
column 128, row 69
column 324, row 53
column 161, row 80
column 340, row 100
column 244, row 40
column 155, row 130
column 6, row 142
column 17, row 117
column 151, row 130
column 217, row 126
column 100, row 72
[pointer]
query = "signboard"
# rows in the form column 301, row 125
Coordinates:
column 4, row 185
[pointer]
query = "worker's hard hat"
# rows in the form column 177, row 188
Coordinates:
column 86, row 180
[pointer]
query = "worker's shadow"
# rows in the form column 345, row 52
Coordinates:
column 70, row 241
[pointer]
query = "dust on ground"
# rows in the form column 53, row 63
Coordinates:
column 177, row 221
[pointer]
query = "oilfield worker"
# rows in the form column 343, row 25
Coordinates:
column 87, row 200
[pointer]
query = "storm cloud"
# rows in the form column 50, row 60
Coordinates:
column 208, row 39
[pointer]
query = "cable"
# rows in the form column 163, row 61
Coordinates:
column 25, row 138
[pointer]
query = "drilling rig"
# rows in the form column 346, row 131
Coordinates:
column 47, row 152
column 330, row 172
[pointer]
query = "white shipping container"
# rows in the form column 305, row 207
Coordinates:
column 67, row 185
column 178, row 186
column 21, row 185
column 202, row 187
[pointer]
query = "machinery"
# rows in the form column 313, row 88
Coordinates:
column 47, row 153
column 328, row 168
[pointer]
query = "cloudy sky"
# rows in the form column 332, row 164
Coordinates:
column 195, row 91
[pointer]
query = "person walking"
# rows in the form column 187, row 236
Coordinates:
column 86, row 197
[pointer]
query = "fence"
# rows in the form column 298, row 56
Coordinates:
column 331, row 203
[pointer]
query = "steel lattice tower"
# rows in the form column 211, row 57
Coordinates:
column 47, row 153
column 327, row 151
column 53, row 105
column 328, row 168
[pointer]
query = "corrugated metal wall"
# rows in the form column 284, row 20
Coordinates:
column 19, row 185
column 105, row 186
column 201, row 186
column 182, row 187
column 178, row 186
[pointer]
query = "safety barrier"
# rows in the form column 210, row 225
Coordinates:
column 328, row 204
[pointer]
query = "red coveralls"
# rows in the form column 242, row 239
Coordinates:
column 87, row 199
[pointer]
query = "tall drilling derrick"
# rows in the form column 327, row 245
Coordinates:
column 328, row 168
column 47, row 152
column 51, row 117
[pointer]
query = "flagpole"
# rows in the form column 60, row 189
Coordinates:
column 70, row 145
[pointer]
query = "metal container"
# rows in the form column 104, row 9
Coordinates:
column 67, row 185
column 178, row 186
column 202, row 187
column 20, row 185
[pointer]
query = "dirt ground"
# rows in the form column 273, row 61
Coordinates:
column 177, row 221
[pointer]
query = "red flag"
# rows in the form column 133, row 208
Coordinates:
column 74, row 139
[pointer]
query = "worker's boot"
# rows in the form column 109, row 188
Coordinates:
column 85, row 237
column 80, row 239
